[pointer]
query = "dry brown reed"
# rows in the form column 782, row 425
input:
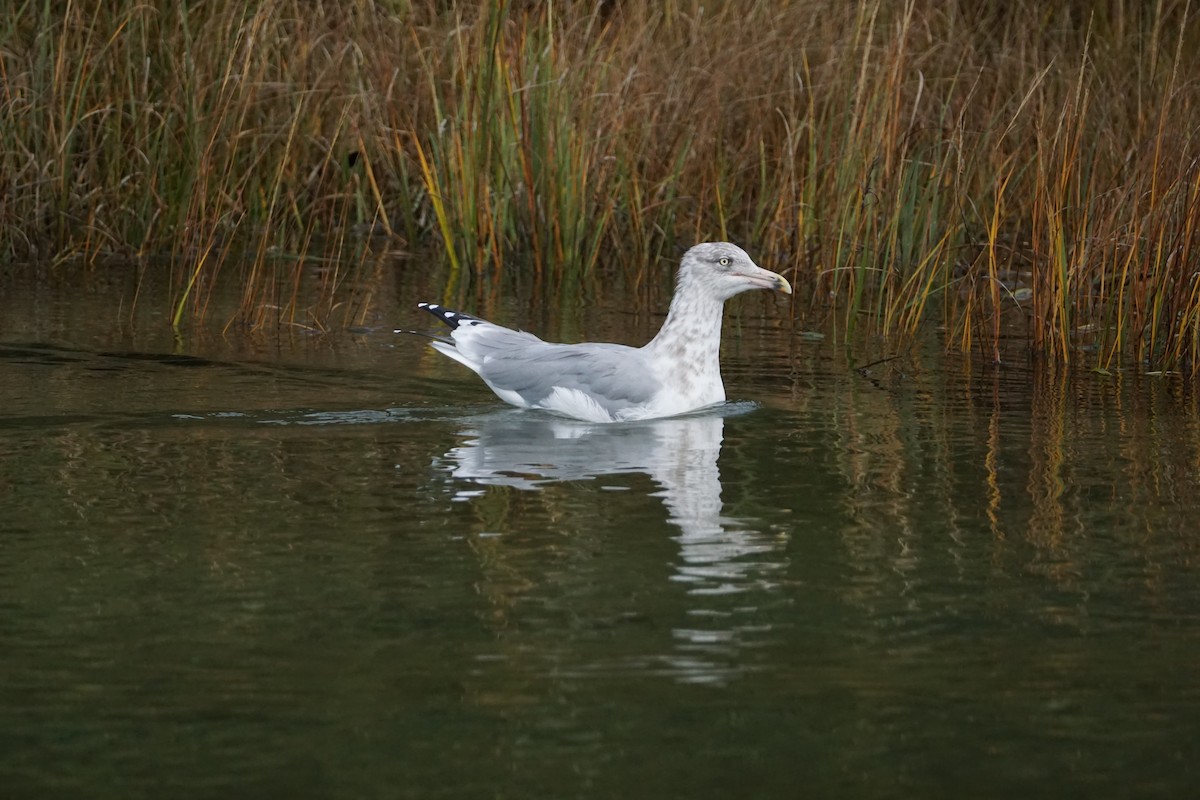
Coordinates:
column 987, row 167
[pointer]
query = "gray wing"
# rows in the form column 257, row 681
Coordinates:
column 613, row 375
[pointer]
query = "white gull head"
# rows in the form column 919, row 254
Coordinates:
column 721, row 270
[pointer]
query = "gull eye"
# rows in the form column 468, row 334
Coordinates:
column 723, row 261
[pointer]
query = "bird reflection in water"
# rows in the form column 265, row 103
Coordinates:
column 718, row 555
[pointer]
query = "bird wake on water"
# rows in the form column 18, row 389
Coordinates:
column 676, row 372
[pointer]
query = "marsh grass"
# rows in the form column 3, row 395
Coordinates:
column 988, row 169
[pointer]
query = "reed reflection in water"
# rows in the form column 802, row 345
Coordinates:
column 906, row 581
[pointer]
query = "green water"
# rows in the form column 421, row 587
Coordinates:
column 336, row 566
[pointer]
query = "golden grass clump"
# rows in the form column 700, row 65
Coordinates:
column 988, row 167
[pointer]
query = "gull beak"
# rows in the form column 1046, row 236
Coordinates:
column 760, row 278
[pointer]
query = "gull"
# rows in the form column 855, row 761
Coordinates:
column 676, row 372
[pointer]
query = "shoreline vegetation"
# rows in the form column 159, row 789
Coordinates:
column 988, row 168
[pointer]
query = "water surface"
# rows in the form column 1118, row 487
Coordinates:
column 290, row 564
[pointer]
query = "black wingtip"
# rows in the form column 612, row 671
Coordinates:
column 451, row 318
